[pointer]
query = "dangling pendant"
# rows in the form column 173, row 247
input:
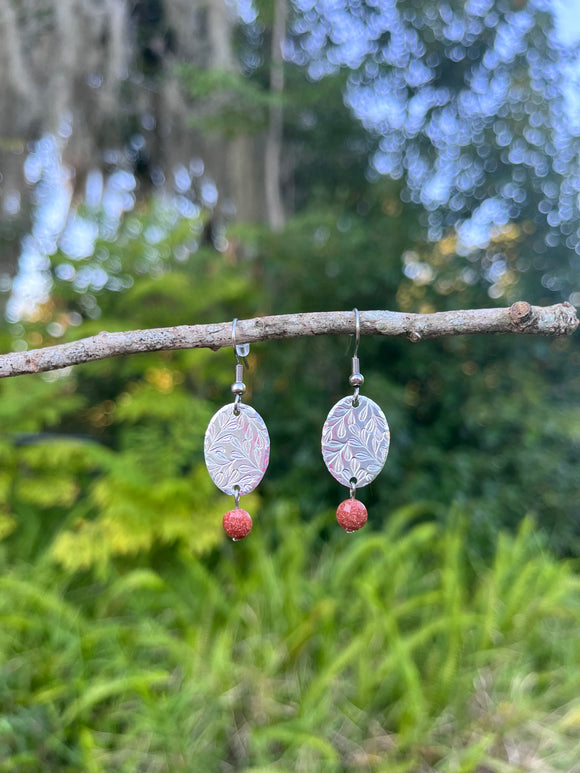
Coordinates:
column 355, row 444
column 237, row 451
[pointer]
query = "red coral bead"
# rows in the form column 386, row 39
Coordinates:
column 237, row 524
column 351, row 515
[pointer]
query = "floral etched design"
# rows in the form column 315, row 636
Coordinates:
column 237, row 449
column 355, row 441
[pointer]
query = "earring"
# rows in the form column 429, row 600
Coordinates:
column 237, row 449
column 355, row 444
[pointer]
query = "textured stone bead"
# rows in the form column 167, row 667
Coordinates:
column 237, row 524
column 351, row 515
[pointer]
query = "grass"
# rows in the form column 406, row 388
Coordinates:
column 384, row 651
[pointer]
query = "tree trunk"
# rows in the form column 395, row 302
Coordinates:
column 108, row 69
column 238, row 162
column 273, row 158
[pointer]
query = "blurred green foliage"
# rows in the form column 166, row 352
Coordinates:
column 133, row 638
column 226, row 103
column 111, row 456
column 490, row 424
column 387, row 652
column 442, row 638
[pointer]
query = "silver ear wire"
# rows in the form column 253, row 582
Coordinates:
column 356, row 379
column 356, row 332
column 234, row 344
column 238, row 387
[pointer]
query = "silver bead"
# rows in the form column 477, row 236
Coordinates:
column 357, row 379
column 238, row 387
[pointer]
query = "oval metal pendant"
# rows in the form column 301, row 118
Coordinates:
column 355, row 441
column 237, row 449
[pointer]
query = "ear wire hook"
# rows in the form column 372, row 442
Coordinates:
column 238, row 387
column 356, row 379
column 356, row 332
column 240, row 350
column 234, row 344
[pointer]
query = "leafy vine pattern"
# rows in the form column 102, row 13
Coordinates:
column 355, row 441
column 237, row 449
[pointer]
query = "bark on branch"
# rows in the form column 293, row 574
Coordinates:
column 520, row 318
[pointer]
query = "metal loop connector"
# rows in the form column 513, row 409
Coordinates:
column 352, row 488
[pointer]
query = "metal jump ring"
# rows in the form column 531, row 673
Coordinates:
column 352, row 488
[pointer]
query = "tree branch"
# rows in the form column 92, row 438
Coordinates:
column 520, row 318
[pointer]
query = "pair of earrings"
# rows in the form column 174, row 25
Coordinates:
column 355, row 444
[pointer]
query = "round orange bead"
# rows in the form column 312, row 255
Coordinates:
column 237, row 524
column 351, row 515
